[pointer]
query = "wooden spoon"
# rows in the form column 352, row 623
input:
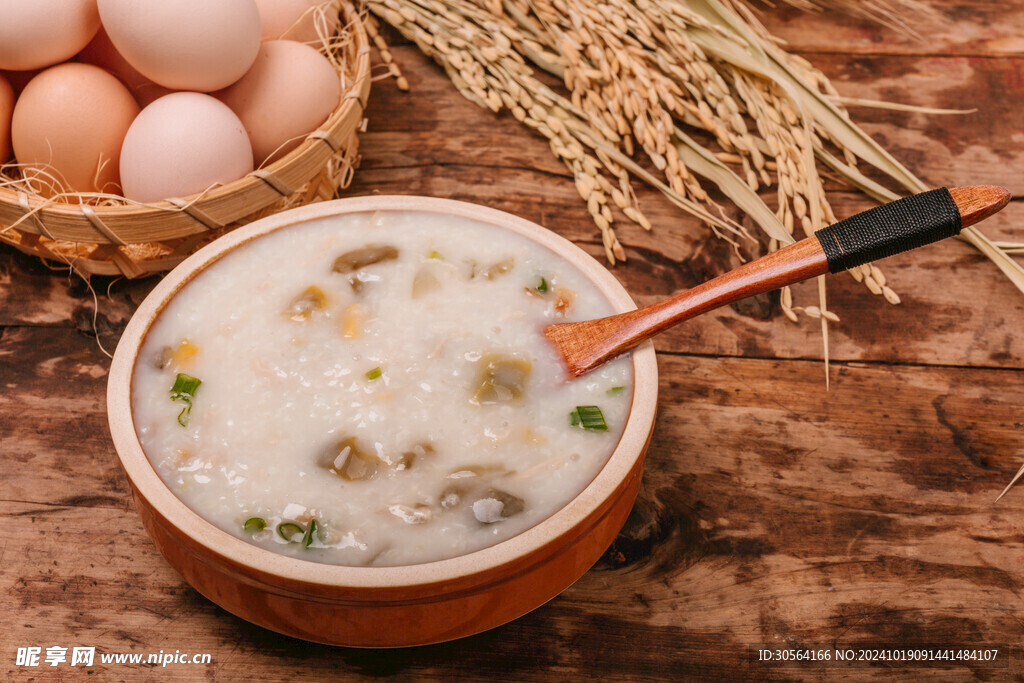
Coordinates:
column 883, row 231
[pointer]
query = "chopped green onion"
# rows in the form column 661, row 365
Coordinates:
column 543, row 286
column 255, row 525
column 374, row 374
column 310, row 534
column 616, row 390
column 184, row 390
column 436, row 254
column 588, row 417
column 288, row 530
column 185, row 384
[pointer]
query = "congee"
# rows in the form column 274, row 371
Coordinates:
column 375, row 389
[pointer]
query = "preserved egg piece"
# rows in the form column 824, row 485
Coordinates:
column 357, row 259
column 497, row 506
column 496, row 270
column 406, row 459
column 424, row 282
column 348, row 462
column 163, row 357
column 502, row 378
column 304, row 305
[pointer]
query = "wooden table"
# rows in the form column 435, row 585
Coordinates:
column 774, row 514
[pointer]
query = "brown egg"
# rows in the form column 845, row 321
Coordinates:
column 102, row 53
column 299, row 20
column 6, row 110
column 38, row 33
column 68, row 126
column 288, row 93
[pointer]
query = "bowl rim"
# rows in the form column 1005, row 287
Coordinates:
column 148, row 483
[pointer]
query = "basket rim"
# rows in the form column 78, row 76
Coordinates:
column 182, row 217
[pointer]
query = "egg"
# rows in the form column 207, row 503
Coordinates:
column 69, row 124
column 43, row 32
column 102, row 53
column 297, row 20
column 288, row 93
column 6, row 111
column 186, row 44
column 182, row 144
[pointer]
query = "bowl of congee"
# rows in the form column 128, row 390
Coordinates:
column 343, row 422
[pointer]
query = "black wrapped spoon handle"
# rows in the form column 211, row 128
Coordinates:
column 890, row 229
column 869, row 236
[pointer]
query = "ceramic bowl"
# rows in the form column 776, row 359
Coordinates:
column 383, row 606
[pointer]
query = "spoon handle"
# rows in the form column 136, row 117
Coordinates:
column 883, row 231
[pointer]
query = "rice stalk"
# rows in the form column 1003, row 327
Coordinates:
column 1010, row 247
column 1016, row 478
column 637, row 77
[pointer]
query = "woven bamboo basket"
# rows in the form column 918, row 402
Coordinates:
column 119, row 237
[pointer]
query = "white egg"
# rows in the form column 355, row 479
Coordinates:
column 186, row 44
column 181, row 144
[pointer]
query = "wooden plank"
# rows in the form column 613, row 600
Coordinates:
column 772, row 512
column 53, row 426
column 972, row 28
column 35, row 293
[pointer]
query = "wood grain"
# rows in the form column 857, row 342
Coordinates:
column 773, row 512
column 979, row 202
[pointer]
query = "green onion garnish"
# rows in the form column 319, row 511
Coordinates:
column 374, row 374
column 436, row 254
column 616, row 390
column 255, row 525
column 184, row 390
column 288, row 531
column 543, row 286
column 310, row 534
column 588, row 417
